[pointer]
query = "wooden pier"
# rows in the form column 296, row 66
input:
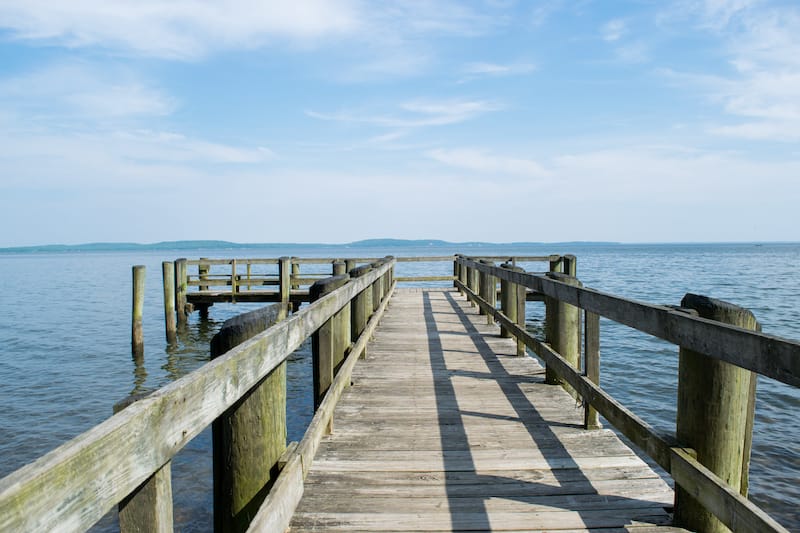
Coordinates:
column 445, row 422
column 446, row 428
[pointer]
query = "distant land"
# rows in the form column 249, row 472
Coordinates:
column 226, row 245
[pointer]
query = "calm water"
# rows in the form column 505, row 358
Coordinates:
column 65, row 347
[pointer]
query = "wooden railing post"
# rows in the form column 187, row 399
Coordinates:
column 349, row 264
column 463, row 274
column 361, row 308
column 715, row 413
column 339, row 267
column 488, row 290
column 295, row 273
column 202, row 273
column 249, row 438
column 556, row 263
column 377, row 287
column 563, row 330
column 149, row 507
column 512, row 303
column 285, row 279
column 168, row 278
column 234, row 280
column 591, row 363
column 137, row 310
column 456, row 270
column 324, row 342
column 569, row 265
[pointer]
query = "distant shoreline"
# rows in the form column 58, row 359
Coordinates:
column 369, row 243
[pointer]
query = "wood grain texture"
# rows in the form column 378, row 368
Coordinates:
column 445, row 428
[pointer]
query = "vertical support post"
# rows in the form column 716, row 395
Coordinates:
column 168, row 277
column 339, row 267
column 456, row 270
column 234, row 281
column 715, row 413
column 570, row 265
column 249, row 438
column 137, row 310
column 556, row 263
column 377, row 288
column 295, row 274
column 149, row 507
column 349, row 264
column 488, row 288
column 180, row 292
column 249, row 270
column 361, row 307
column 323, row 342
column 522, row 294
column 202, row 273
column 284, row 279
column 474, row 278
column 509, row 294
column 563, row 330
column 591, row 357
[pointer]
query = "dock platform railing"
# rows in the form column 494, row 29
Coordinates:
column 125, row 460
column 709, row 456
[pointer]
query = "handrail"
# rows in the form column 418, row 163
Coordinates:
column 766, row 354
column 74, row 485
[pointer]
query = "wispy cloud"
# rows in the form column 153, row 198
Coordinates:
column 762, row 89
column 486, row 163
column 613, row 30
column 84, row 91
column 179, row 29
column 416, row 113
column 481, row 69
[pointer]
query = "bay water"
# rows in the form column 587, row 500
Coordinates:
column 65, row 345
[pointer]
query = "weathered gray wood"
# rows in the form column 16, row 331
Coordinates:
column 728, row 505
column 149, row 507
column 249, row 438
column 168, row 278
column 137, row 308
column 591, row 364
column 391, row 465
column 202, row 274
column 279, row 505
column 361, row 307
column 339, row 267
column 285, row 278
column 77, row 483
column 768, row 355
column 295, row 273
column 180, row 292
column 563, row 330
column 488, row 289
column 714, row 413
column 327, row 341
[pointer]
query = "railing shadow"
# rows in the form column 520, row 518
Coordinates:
column 460, row 463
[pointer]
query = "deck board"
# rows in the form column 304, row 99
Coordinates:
column 445, row 429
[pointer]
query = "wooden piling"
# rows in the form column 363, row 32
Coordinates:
column 180, row 292
column 563, row 330
column 295, row 274
column 569, row 265
column 512, row 303
column 285, row 279
column 137, row 336
column 323, row 342
column 361, row 308
column 149, row 507
column 591, row 358
column 339, row 267
column 249, row 438
column 202, row 273
column 349, row 264
column 377, row 288
column 715, row 413
column 556, row 263
column 168, row 277
column 488, row 290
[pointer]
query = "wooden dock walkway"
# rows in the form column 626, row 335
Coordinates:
column 447, row 429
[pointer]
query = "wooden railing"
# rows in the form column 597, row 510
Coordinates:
column 125, row 460
column 716, row 360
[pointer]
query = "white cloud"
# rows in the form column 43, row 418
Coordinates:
column 613, row 30
column 175, row 29
column 85, row 91
column 417, row 113
column 762, row 91
column 498, row 69
column 490, row 165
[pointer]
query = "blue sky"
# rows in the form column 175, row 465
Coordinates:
column 339, row 120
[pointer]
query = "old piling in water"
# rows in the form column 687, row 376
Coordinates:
column 285, row 279
column 180, row 292
column 716, row 401
column 137, row 336
column 168, row 277
column 249, row 438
